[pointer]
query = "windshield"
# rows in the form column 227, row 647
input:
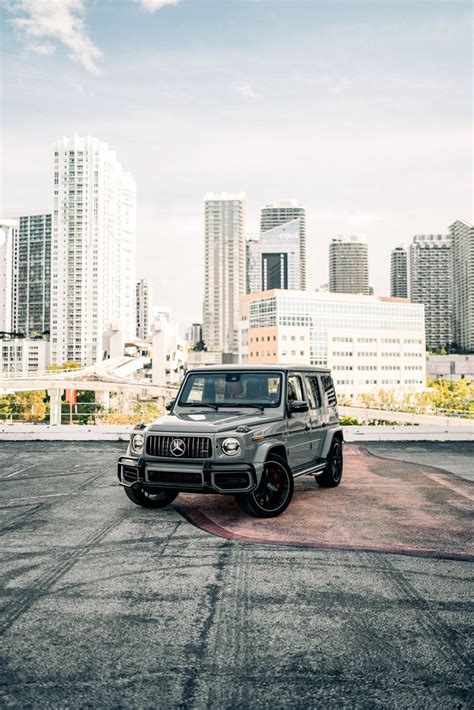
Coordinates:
column 232, row 388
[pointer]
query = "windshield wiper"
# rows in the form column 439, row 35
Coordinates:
column 200, row 404
column 242, row 404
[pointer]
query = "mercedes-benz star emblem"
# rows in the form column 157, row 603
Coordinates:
column 178, row 447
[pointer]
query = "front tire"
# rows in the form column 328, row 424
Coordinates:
column 332, row 474
column 274, row 492
column 148, row 499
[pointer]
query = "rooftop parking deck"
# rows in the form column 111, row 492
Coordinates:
column 357, row 596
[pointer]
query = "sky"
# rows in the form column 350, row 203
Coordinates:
column 362, row 111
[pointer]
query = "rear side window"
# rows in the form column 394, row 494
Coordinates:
column 328, row 385
column 295, row 389
column 312, row 388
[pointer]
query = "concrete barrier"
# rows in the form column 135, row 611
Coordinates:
column 77, row 432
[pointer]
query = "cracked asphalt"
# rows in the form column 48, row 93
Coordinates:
column 108, row 605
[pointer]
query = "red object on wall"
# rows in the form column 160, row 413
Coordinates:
column 71, row 396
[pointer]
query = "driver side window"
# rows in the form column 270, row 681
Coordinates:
column 295, row 389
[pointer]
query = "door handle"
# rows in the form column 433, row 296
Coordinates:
column 307, row 427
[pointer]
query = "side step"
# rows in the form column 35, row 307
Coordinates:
column 313, row 470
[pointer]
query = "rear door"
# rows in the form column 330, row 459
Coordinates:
column 299, row 451
column 317, row 420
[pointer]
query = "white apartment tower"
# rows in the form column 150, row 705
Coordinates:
column 32, row 275
column 349, row 265
column 93, row 249
column 224, row 266
column 462, row 234
column 431, row 284
column 7, row 227
column 399, row 272
column 144, row 308
column 281, row 212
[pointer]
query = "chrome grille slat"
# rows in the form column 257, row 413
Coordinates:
column 197, row 447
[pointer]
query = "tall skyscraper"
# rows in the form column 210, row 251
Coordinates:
column 431, row 284
column 274, row 260
column 462, row 234
column 399, row 272
column 224, row 264
column 280, row 213
column 349, row 265
column 144, row 308
column 93, row 249
column 32, row 275
column 7, row 227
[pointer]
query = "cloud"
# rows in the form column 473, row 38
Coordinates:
column 59, row 20
column 247, row 92
column 154, row 5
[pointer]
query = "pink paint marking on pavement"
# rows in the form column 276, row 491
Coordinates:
column 382, row 505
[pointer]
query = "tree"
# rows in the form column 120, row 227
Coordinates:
column 200, row 346
column 27, row 406
column 69, row 365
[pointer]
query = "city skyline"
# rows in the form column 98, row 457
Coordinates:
column 359, row 143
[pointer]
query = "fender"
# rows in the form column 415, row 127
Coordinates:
column 335, row 432
column 265, row 448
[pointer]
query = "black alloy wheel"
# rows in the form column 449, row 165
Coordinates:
column 332, row 474
column 150, row 499
column 274, row 492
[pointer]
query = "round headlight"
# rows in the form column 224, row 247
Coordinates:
column 137, row 442
column 231, row 446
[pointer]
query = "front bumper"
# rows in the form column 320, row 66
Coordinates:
column 191, row 476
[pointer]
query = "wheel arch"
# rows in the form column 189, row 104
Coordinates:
column 335, row 434
column 280, row 450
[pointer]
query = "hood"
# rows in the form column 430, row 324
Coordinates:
column 211, row 422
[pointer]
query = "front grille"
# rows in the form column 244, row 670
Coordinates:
column 196, row 447
column 175, row 477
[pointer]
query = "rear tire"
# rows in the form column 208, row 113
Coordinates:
column 147, row 499
column 274, row 492
column 332, row 474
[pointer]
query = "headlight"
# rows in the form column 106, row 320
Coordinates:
column 137, row 441
column 231, row 447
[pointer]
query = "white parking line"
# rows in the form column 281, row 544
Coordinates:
column 27, row 468
column 50, row 495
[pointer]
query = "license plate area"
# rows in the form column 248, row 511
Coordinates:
column 188, row 478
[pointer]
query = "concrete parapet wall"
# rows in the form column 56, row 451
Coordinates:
column 76, row 432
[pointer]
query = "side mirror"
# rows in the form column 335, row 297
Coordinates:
column 169, row 405
column 297, row 407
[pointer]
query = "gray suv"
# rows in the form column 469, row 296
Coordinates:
column 241, row 430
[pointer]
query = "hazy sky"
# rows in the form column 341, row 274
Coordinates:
column 360, row 110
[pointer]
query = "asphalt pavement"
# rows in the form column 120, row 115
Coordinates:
column 108, row 605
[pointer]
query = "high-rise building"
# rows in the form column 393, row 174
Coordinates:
column 144, row 308
column 462, row 234
column 92, row 249
column 369, row 342
column 349, row 265
column 399, row 272
column 32, row 275
column 280, row 213
column 274, row 260
column 224, row 265
column 7, row 227
column 431, row 284
column 194, row 334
